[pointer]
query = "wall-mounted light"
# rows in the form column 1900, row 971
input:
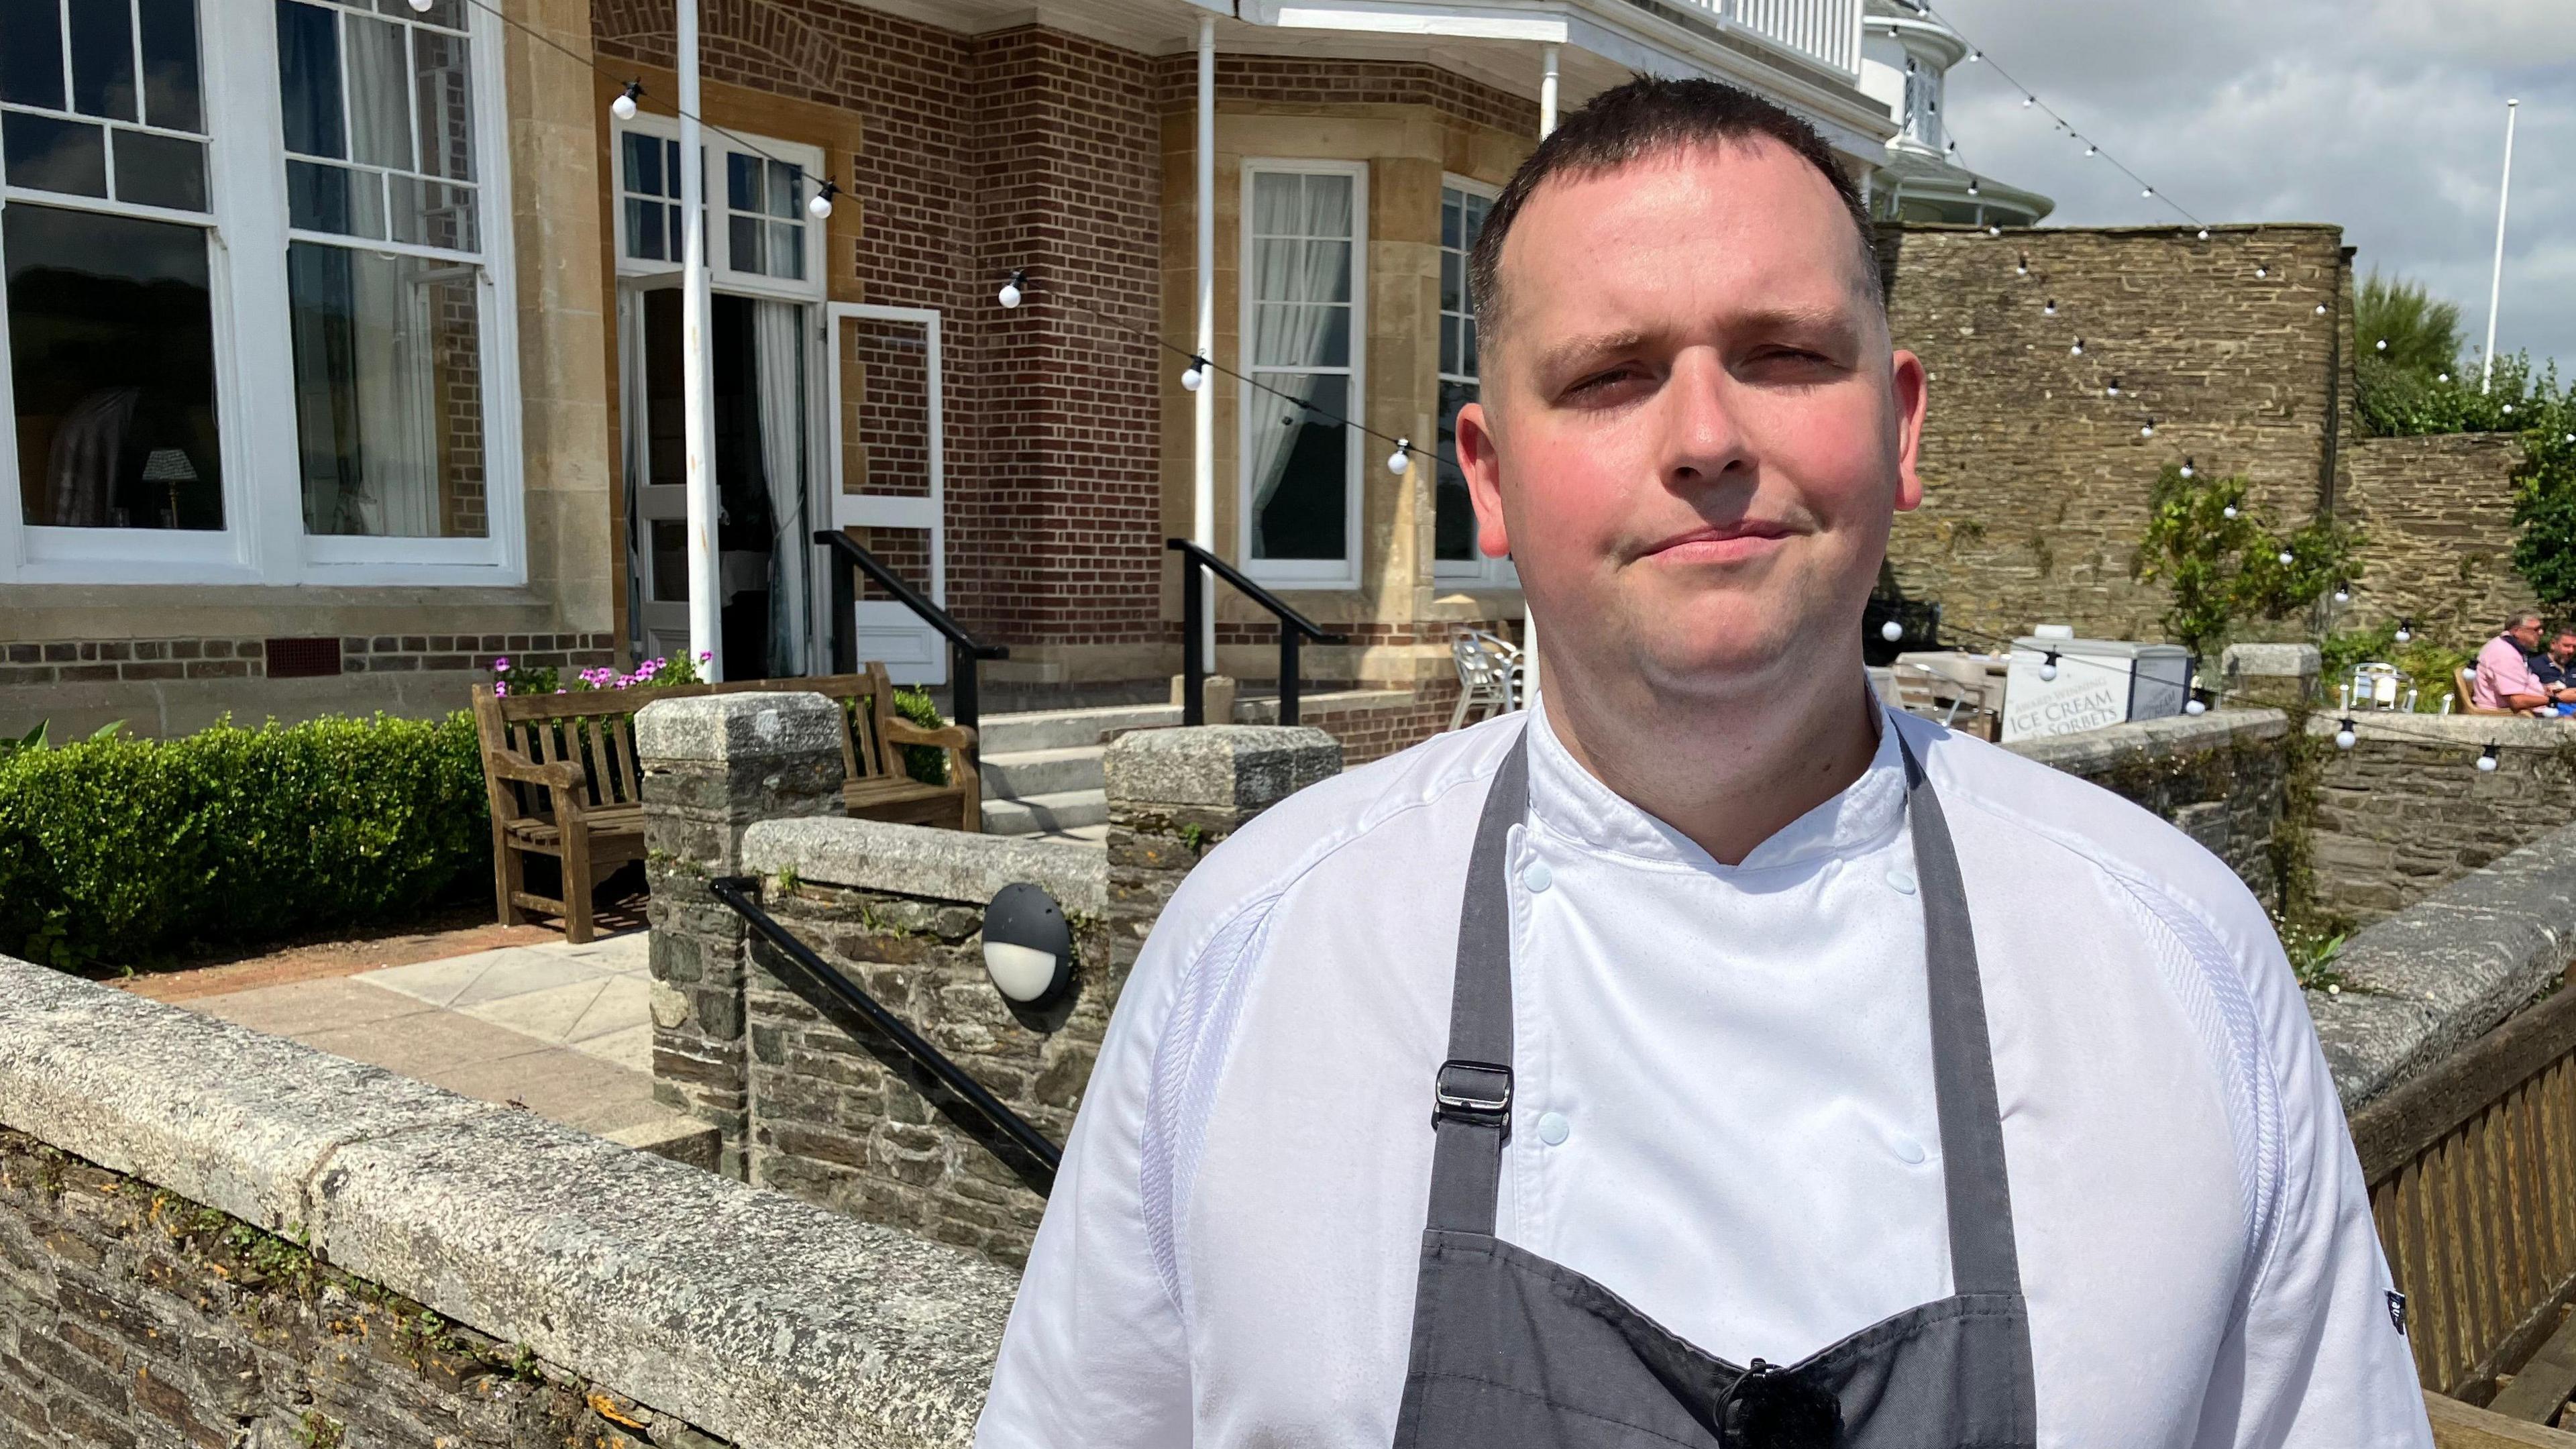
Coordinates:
column 1028, row 945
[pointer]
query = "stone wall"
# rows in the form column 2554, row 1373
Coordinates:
column 843, row 1117
column 2399, row 815
column 2436, row 515
column 2035, row 476
column 211, row 1237
column 2221, row 778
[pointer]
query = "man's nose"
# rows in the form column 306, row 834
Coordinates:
column 1703, row 439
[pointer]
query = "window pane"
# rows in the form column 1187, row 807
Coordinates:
column 388, row 393
column 1301, row 470
column 432, row 213
column 1453, row 282
column 787, row 250
column 334, row 199
column 786, row 183
column 1450, row 202
column 446, row 86
column 670, row 561
column 103, row 59
column 160, row 171
column 644, row 231
column 171, row 88
column 742, row 182
column 111, row 343
column 308, row 78
column 1449, row 345
column 379, row 94
column 1301, row 336
column 31, row 64
column 1453, row 525
column 643, row 162
column 746, row 247
column 51, row 155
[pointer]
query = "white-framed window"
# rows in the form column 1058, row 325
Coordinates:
column 216, row 215
column 1305, row 325
column 1454, row 557
column 1922, row 102
column 760, row 238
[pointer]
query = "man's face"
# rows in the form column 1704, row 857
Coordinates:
column 1694, row 434
column 2563, row 648
column 2527, row 634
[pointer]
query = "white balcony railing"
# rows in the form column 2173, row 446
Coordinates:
column 1826, row 32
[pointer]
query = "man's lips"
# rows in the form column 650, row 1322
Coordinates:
column 1718, row 543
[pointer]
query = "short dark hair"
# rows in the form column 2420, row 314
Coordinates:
column 1646, row 116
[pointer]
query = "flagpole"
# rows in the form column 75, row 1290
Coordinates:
column 2495, row 284
column 706, row 631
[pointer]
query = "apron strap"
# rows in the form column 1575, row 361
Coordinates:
column 1982, row 1255
column 1471, row 1114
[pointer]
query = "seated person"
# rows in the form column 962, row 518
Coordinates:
column 2503, row 679
column 2556, row 667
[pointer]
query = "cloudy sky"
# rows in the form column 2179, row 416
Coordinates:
column 2386, row 116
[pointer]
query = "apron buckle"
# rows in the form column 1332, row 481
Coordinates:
column 1477, row 1093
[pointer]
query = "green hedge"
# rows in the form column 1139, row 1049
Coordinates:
column 118, row 852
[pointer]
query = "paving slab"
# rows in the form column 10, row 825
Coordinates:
column 301, row 1008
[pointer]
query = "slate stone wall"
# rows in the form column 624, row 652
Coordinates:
column 2035, row 476
column 136, row 1317
column 2437, row 517
column 2397, row 817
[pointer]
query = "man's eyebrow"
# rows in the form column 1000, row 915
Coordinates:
column 1585, row 348
column 1588, row 347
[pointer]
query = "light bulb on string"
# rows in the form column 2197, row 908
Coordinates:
column 2442, row 377
column 2147, row 429
column 2048, row 666
column 1401, row 458
column 2228, row 512
column 2488, row 760
column 2022, row 267
column 1975, row 55
column 2092, row 150
column 2344, row 734
column 422, row 5
column 2204, row 233
column 2405, row 630
column 2048, row 308
column 2383, row 342
column 1014, row 289
column 2262, row 271
column 2321, row 309
column 2187, row 469
column 2343, row 596
column 2077, row 350
column 1972, row 186
column 2150, row 191
column 1891, row 631
column 1194, row 376
column 623, row 108
column 821, row 205
column 2508, row 408
column 1994, row 231
column 2195, row 705
column 2029, row 101
column 2287, row 558
column 2113, row 390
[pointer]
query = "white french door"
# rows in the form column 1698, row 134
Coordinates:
column 889, row 480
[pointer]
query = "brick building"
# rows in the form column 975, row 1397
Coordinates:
column 344, row 337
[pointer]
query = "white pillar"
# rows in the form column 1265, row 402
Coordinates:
column 706, row 631
column 1546, row 127
column 2495, row 286
column 1203, row 402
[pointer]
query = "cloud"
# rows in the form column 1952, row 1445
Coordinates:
column 2384, row 116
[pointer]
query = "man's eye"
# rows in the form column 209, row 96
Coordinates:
column 1599, row 380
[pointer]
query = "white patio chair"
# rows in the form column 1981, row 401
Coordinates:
column 1486, row 674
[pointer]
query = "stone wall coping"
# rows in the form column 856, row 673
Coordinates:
column 2093, row 752
column 716, row 727
column 2262, row 660
column 2429, row 980
column 2469, row 731
column 917, row 860
column 749, row 1314
column 1221, row 766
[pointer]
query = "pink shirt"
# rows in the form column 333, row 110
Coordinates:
column 2502, row 670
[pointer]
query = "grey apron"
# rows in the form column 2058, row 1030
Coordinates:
column 1511, row 1351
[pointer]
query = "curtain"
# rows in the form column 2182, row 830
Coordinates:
column 778, row 379
column 1301, row 313
column 633, row 434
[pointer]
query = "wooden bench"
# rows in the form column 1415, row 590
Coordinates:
column 564, row 782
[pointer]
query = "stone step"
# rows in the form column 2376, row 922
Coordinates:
column 1057, row 729
column 1037, row 814
column 1021, row 774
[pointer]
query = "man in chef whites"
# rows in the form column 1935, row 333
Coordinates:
column 1707, row 1056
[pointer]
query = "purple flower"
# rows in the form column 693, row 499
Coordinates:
column 499, row 690
column 500, row 663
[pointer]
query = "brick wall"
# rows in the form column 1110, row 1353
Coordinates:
column 133, row 1316
column 2035, row 478
column 157, row 659
column 1283, row 80
column 2437, row 520
column 1022, row 149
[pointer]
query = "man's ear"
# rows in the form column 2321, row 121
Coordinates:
column 1482, row 463
column 1910, row 393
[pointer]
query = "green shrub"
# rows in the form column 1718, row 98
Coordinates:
column 2222, row 561
column 116, row 852
column 926, row 763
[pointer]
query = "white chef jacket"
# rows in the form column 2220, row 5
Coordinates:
column 1723, row 1111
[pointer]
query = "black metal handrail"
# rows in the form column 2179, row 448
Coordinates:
column 964, row 649
column 839, row 998
column 1294, row 629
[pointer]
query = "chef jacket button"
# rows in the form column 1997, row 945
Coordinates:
column 1553, row 1128
column 1538, row 877
column 1903, row 882
column 1908, row 1150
